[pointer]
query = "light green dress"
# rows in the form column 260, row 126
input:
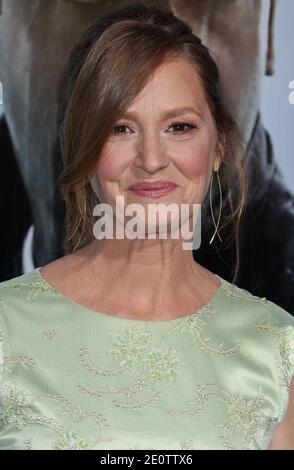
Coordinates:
column 74, row 378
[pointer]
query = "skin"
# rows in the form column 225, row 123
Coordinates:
column 144, row 274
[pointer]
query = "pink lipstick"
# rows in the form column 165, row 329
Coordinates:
column 153, row 190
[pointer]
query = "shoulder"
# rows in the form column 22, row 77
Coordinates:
column 256, row 307
column 21, row 287
column 281, row 324
column 22, row 295
column 265, row 316
column 240, row 306
column 13, row 295
column 268, row 332
column 25, row 302
column 263, row 324
column 22, row 280
column 279, row 315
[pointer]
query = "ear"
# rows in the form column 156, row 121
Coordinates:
column 219, row 155
column 216, row 164
column 269, row 70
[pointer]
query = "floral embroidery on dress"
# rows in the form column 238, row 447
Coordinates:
column 132, row 350
column 247, row 417
column 94, row 369
column 186, row 444
column 79, row 414
column 34, row 287
column 24, row 361
column 161, row 365
column 285, row 348
column 16, row 408
column 1, row 351
column 201, row 396
column 243, row 415
column 28, row 445
column 195, row 326
column 71, row 440
column 234, row 292
column 49, row 334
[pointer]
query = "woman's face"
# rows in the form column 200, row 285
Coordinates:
column 166, row 134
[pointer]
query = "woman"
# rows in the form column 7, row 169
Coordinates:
column 128, row 343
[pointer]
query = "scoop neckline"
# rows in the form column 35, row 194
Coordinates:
column 195, row 314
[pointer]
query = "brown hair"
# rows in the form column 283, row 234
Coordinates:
column 108, row 67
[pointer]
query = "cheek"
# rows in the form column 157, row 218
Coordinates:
column 112, row 163
column 193, row 161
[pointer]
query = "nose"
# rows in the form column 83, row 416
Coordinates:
column 151, row 153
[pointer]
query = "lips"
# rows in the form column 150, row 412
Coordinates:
column 155, row 186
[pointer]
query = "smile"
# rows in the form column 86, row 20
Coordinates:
column 153, row 193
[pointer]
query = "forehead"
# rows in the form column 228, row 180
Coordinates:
column 175, row 81
column 176, row 69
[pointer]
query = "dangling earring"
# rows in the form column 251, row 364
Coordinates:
column 84, row 209
column 211, row 210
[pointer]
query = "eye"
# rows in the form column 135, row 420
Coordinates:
column 179, row 127
column 118, row 129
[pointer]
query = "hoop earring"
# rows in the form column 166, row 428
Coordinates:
column 211, row 210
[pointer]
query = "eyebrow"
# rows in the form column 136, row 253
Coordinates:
column 168, row 113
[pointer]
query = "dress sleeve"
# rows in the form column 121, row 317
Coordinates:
column 290, row 350
column 1, row 364
column 282, row 324
column 287, row 356
column 1, row 348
